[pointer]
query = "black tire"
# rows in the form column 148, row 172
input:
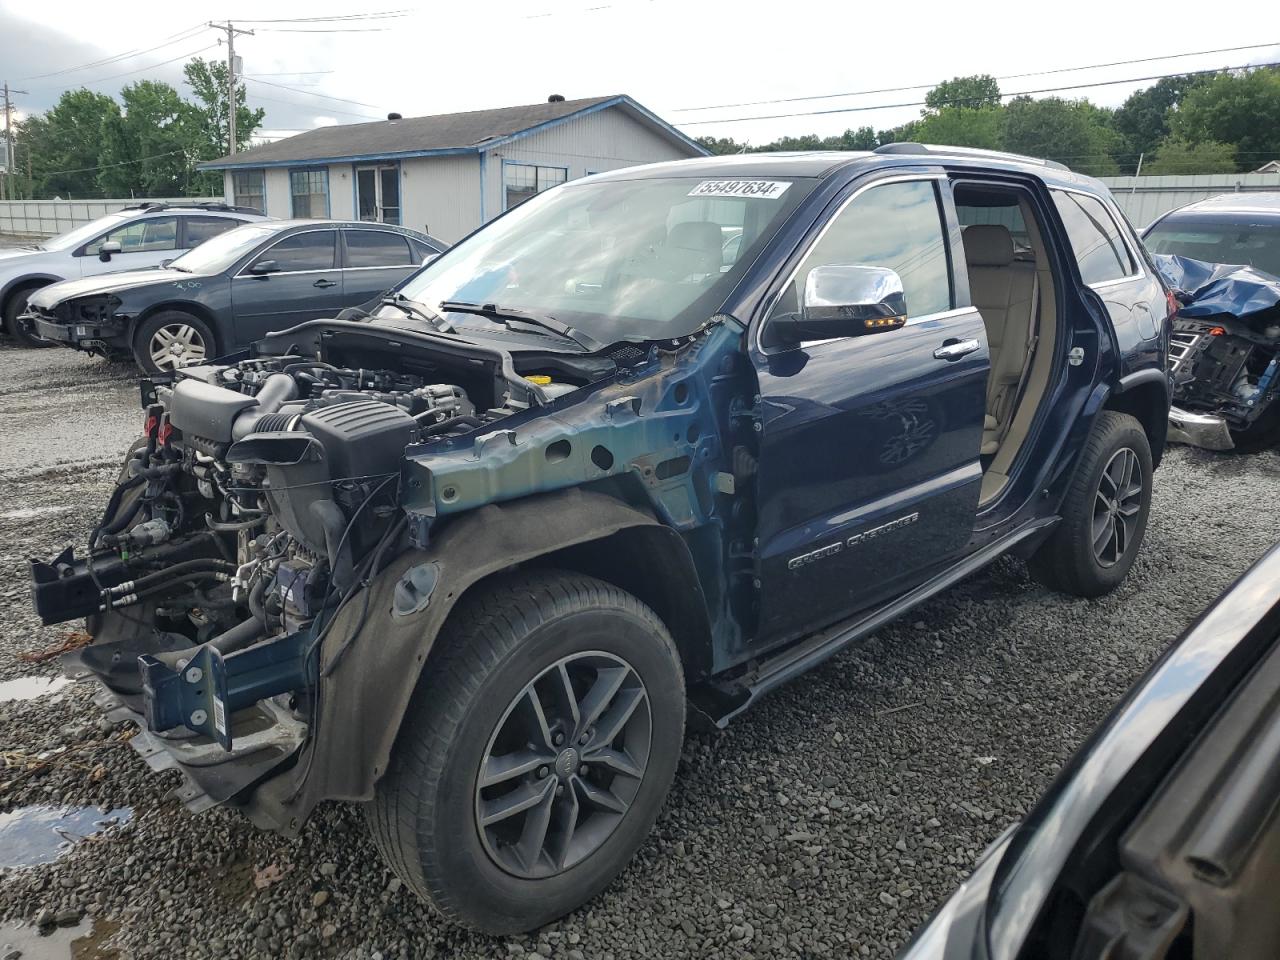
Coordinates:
column 201, row 346
column 1069, row 560
column 16, row 304
column 425, row 813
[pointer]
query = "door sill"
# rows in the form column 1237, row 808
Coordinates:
column 720, row 702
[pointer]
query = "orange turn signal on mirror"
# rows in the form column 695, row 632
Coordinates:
column 881, row 323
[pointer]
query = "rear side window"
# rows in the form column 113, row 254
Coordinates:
column 375, row 248
column 303, row 251
column 1095, row 237
column 897, row 225
column 200, row 229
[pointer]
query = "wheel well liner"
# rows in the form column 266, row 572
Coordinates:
column 362, row 703
column 1145, row 396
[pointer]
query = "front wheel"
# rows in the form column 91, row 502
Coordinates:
column 171, row 339
column 536, row 753
column 1104, row 514
column 16, row 306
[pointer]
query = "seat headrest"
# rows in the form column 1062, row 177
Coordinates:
column 701, row 235
column 988, row 245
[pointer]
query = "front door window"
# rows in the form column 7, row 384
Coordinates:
column 378, row 194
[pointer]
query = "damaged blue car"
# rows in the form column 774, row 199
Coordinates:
column 649, row 445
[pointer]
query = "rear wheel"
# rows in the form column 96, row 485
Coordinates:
column 171, row 339
column 15, row 307
column 1104, row 515
column 536, row 753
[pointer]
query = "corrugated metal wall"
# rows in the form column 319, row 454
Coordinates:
column 1143, row 199
column 48, row 218
column 441, row 195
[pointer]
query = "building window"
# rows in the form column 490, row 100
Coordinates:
column 522, row 180
column 310, row 190
column 248, row 188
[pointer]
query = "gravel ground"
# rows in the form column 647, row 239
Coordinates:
column 829, row 821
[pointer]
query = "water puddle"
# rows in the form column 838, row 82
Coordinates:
column 29, row 688
column 41, row 834
column 81, row 942
column 27, row 513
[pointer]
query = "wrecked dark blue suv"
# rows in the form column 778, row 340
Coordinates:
column 656, row 440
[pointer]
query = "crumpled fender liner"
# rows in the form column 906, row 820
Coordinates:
column 363, row 701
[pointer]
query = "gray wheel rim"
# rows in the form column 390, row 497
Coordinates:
column 1116, row 507
column 176, row 345
column 563, row 765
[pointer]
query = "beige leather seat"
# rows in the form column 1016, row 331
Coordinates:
column 1004, row 291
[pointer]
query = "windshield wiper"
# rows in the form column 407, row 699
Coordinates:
column 414, row 309
column 505, row 315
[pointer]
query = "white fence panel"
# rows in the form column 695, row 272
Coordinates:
column 1143, row 199
column 48, row 218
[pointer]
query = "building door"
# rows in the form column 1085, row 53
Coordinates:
column 378, row 194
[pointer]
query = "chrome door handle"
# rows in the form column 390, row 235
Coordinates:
column 325, row 283
column 955, row 349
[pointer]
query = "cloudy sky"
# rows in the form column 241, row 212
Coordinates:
column 671, row 55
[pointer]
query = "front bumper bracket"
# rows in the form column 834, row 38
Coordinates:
column 1199, row 430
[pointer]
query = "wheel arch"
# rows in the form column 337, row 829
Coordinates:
column 181, row 306
column 364, row 699
column 1145, row 396
column 33, row 281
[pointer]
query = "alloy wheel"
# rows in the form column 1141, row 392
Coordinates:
column 1116, row 506
column 564, row 765
column 176, row 345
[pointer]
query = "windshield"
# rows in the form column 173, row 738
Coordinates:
column 1257, row 245
column 73, row 238
column 620, row 259
column 218, row 253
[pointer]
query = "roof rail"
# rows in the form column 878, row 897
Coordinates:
column 218, row 205
column 932, row 148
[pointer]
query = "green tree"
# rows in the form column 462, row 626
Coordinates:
column 962, row 127
column 722, row 145
column 146, row 151
column 1074, row 132
column 1143, row 119
column 1242, row 109
column 207, row 120
column 978, row 90
column 63, row 144
column 1176, row 156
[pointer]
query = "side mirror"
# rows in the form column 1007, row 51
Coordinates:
column 845, row 301
column 263, row 267
column 107, row 249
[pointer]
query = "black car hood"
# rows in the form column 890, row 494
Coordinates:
column 56, row 293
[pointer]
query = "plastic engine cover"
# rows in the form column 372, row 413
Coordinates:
column 361, row 438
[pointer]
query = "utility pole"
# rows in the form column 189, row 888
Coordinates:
column 231, row 31
column 6, row 192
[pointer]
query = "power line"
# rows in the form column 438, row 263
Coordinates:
column 963, row 100
column 153, row 66
column 376, row 15
column 1012, row 76
column 312, row 106
column 104, row 166
column 323, row 96
column 326, row 30
column 116, row 58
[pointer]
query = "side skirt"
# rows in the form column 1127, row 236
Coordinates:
column 719, row 702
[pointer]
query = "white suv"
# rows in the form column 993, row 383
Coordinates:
column 145, row 235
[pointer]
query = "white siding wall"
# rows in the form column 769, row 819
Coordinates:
column 605, row 140
column 279, row 200
column 342, row 192
column 441, row 195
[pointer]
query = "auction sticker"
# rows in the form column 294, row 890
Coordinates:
column 764, row 189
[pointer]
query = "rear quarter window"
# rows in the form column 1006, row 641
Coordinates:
column 1095, row 238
